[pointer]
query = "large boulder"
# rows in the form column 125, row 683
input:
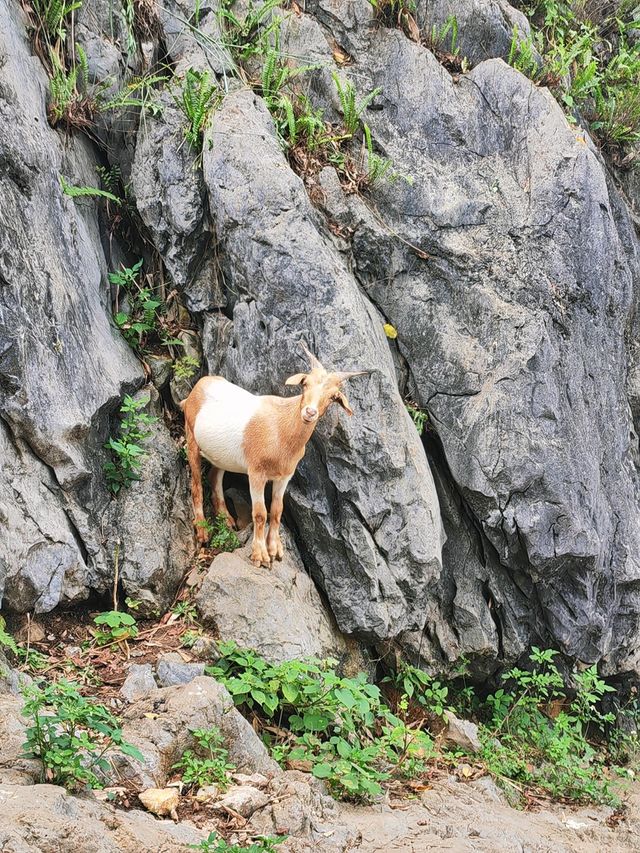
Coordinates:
column 63, row 365
column 363, row 499
column 506, row 263
column 278, row 611
column 161, row 724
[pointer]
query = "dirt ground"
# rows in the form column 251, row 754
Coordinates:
column 456, row 816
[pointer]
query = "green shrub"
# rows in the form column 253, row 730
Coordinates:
column 143, row 306
column 126, row 450
column 339, row 725
column 114, row 627
column 418, row 416
column 185, row 367
column 209, row 768
column 216, row 844
column 538, row 736
column 6, row 640
column 70, row 734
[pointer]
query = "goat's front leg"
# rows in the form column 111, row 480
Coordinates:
column 195, row 463
column 274, row 543
column 259, row 553
column 216, row 476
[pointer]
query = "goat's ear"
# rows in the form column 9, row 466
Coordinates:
column 296, row 379
column 340, row 398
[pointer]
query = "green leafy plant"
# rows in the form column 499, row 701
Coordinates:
column 538, row 736
column 221, row 536
column 143, row 306
column 334, row 722
column 444, row 39
column 190, row 638
column 185, row 367
column 418, row 416
column 198, row 97
column 114, row 627
column 378, row 168
column 352, row 108
column 6, row 640
column 262, row 844
column 70, row 734
column 209, row 765
column 421, row 687
column 185, row 610
column 126, row 451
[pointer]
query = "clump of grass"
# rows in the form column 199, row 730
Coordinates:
column 591, row 64
column 249, row 36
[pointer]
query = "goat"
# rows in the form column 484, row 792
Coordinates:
column 262, row 436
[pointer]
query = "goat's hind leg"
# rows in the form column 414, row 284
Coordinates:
column 216, row 476
column 195, row 463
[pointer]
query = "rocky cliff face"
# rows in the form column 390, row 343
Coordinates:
column 508, row 263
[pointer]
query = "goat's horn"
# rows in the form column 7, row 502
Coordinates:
column 347, row 374
column 312, row 359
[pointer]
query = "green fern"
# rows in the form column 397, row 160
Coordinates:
column 249, row 36
column 79, row 192
column 197, row 98
column 351, row 108
column 51, row 15
column 63, row 88
column 82, row 69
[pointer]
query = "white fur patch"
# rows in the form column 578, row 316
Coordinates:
column 221, row 422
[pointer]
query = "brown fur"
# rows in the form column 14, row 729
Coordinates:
column 273, row 443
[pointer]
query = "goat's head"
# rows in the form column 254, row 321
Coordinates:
column 320, row 388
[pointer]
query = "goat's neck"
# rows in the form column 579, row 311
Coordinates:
column 295, row 433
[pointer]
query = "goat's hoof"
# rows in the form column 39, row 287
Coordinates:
column 260, row 557
column 201, row 535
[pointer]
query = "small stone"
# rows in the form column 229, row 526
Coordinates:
column 462, row 733
column 206, row 648
column 139, row 682
column 243, row 799
column 173, row 670
column 161, row 801
column 161, row 368
column 207, row 794
column 256, row 779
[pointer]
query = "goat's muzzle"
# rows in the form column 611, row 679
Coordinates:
column 309, row 414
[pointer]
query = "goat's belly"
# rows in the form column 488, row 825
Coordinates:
column 220, row 424
column 221, row 446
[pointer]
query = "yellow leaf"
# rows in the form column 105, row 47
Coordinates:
column 390, row 331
